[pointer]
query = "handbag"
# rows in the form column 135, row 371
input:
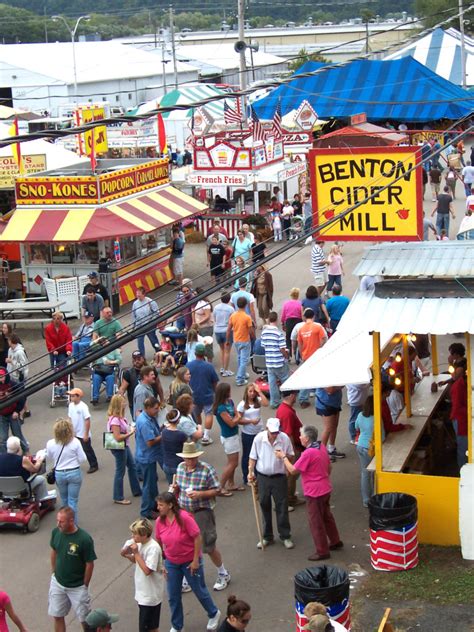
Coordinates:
column 111, row 443
column 104, row 369
column 51, row 475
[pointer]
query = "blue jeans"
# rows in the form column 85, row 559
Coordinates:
column 69, row 485
column 442, row 221
column 308, row 222
column 7, row 423
column 124, row 461
column 96, row 384
column 79, row 347
column 174, row 581
column 355, row 410
column 461, row 446
column 58, row 361
column 243, row 357
column 303, row 395
column 275, row 375
column 247, row 442
column 366, row 477
column 152, row 337
column 334, row 279
column 149, row 490
column 169, row 472
column 467, row 188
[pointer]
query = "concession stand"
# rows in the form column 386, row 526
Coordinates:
column 116, row 220
column 424, row 292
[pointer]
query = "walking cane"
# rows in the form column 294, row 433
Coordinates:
column 257, row 514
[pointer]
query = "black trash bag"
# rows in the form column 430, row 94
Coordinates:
column 392, row 511
column 327, row 584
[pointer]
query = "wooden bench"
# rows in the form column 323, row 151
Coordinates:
column 399, row 446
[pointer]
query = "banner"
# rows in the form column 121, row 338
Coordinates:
column 100, row 133
column 341, row 178
column 9, row 168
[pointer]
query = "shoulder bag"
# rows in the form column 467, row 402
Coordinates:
column 51, row 475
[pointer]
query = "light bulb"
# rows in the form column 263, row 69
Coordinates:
column 398, row 357
column 412, row 337
column 391, row 372
column 397, row 381
column 451, row 369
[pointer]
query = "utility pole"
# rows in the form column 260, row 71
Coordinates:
column 164, row 60
column 243, row 68
column 45, row 24
column 463, row 44
column 173, row 48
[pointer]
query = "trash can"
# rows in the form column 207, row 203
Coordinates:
column 327, row 584
column 393, row 520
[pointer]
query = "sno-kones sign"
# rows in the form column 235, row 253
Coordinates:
column 386, row 181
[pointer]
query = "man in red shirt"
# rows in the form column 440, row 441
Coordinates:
column 291, row 425
column 311, row 337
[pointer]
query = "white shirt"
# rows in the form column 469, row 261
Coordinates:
column 250, row 414
column 78, row 413
column 357, row 394
column 295, row 330
column 149, row 588
column 263, row 452
column 71, row 457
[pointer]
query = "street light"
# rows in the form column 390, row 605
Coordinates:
column 72, row 33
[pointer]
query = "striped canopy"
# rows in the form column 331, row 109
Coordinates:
column 187, row 94
column 402, row 90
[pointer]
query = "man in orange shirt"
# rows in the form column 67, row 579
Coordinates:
column 241, row 327
column 311, row 336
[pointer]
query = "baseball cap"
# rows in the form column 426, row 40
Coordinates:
column 100, row 617
column 93, row 275
column 137, row 354
column 273, row 424
column 88, row 314
column 76, row 391
column 200, row 349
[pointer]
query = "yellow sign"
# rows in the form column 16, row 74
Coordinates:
column 9, row 168
column 343, row 178
column 100, row 133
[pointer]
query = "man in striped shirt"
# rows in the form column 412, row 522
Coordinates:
column 319, row 265
column 276, row 357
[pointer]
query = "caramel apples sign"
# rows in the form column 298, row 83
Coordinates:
column 385, row 185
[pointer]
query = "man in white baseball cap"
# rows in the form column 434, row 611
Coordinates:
column 272, row 480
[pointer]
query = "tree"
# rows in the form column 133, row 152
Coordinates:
column 434, row 11
column 303, row 57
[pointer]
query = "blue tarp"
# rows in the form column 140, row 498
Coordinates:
column 400, row 90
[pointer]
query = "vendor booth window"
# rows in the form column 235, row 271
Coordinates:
column 62, row 253
column 87, row 253
column 154, row 241
column 38, row 254
column 128, row 247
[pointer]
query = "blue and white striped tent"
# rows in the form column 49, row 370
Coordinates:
column 440, row 51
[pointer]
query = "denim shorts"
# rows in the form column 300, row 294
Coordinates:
column 207, row 409
column 327, row 411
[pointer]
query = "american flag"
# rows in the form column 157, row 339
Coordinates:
column 277, row 128
column 257, row 128
column 231, row 115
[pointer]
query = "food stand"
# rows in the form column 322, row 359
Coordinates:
column 116, row 220
column 425, row 288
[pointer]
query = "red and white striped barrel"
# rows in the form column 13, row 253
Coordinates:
column 395, row 550
column 230, row 224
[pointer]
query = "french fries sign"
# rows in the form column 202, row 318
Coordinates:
column 341, row 178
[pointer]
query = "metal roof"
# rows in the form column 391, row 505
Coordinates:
column 430, row 259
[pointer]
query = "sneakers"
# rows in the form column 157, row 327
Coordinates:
column 185, row 587
column 265, row 543
column 288, row 543
column 222, row 581
column 337, row 455
column 213, row 622
column 221, row 371
column 354, row 442
column 227, row 373
column 175, row 630
column 244, row 383
column 207, row 441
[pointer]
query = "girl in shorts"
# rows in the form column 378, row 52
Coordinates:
column 228, row 420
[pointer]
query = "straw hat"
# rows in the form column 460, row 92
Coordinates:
column 190, row 451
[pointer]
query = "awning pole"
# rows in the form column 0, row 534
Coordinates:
column 377, row 382
column 469, row 398
column 406, row 376
column 434, row 354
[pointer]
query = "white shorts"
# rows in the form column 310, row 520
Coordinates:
column 62, row 599
column 321, row 278
column 178, row 266
column 231, row 444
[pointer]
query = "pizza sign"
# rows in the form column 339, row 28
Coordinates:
column 306, row 116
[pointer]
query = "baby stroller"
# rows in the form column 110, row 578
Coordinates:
column 296, row 227
column 174, row 346
column 259, row 366
column 60, row 388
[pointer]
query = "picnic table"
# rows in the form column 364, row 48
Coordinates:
column 21, row 311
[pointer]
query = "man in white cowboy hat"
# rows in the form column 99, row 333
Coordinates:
column 198, row 486
column 272, row 480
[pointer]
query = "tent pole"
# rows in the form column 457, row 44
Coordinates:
column 434, row 354
column 406, row 376
column 377, row 382
column 469, row 398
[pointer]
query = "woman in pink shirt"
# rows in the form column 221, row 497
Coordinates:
column 291, row 315
column 315, row 467
column 6, row 608
column 335, row 267
column 179, row 536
